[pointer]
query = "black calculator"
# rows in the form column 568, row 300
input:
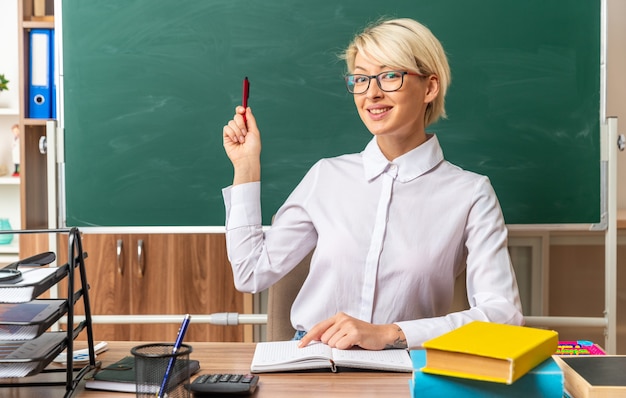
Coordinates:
column 223, row 384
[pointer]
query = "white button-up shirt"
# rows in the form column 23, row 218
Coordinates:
column 389, row 239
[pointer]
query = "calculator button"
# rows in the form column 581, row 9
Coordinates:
column 223, row 384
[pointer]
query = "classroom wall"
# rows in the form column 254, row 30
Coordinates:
column 577, row 285
column 562, row 258
column 576, row 260
column 9, row 66
column 616, row 78
column 6, row 143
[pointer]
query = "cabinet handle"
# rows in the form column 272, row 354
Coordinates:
column 120, row 257
column 140, row 257
column 43, row 145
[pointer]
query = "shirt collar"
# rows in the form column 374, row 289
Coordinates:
column 411, row 165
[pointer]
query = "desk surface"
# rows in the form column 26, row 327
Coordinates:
column 236, row 358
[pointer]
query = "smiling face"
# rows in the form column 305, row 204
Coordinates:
column 398, row 119
column 395, row 118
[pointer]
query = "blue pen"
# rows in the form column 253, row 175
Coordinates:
column 177, row 344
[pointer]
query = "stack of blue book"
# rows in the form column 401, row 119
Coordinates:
column 543, row 381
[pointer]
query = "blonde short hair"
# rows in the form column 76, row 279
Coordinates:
column 407, row 44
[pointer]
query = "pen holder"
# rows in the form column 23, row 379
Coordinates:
column 151, row 363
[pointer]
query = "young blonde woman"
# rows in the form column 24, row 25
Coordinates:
column 391, row 227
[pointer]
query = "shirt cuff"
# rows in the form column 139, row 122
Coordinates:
column 243, row 205
column 412, row 341
column 418, row 331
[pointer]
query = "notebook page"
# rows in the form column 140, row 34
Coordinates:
column 395, row 360
column 279, row 352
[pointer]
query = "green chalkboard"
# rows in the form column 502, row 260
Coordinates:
column 147, row 86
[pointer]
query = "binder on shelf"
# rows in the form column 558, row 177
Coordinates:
column 53, row 83
column 40, row 84
column 39, row 8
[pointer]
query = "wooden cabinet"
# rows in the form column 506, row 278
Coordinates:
column 33, row 172
column 150, row 274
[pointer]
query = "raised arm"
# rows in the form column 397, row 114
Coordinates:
column 242, row 144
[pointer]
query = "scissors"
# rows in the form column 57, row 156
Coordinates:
column 10, row 274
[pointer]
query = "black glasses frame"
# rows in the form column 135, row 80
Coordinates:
column 377, row 78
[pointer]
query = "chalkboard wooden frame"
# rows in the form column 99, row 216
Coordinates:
column 147, row 87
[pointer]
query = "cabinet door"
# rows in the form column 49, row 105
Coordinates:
column 108, row 275
column 183, row 273
column 150, row 284
column 152, row 274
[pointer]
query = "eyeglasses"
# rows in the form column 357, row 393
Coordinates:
column 387, row 81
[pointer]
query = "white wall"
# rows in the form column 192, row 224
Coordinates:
column 9, row 66
column 616, row 82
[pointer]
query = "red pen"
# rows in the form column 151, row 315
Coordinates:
column 244, row 97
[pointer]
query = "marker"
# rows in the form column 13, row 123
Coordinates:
column 244, row 97
column 170, row 366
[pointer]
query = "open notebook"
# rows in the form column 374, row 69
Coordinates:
column 281, row 356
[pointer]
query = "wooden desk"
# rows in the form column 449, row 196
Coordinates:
column 236, row 358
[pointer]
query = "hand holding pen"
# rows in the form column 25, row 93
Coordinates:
column 242, row 142
column 237, row 129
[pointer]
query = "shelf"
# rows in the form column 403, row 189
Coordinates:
column 9, row 180
column 36, row 122
column 38, row 24
column 11, row 248
column 9, row 112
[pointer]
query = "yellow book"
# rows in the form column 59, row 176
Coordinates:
column 489, row 351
